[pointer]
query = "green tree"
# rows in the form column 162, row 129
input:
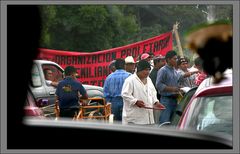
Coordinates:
column 86, row 27
column 92, row 28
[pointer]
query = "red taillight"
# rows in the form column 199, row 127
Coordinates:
column 33, row 111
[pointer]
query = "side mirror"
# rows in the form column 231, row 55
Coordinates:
column 42, row 102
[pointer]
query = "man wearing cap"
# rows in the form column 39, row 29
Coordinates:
column 183, row 68
column 167, row 85
column 111, row 66
column 159, row 62
column 148, row 57
column 68, row 92
column 130, row 64
column 113, row 86
column 139, row 97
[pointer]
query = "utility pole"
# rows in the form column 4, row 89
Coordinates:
column 175, row 28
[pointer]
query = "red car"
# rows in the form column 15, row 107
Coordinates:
column 31, row 108
column 210, row 108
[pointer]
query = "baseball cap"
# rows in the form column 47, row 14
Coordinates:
column 129, row 59
column 159, row 57
column 145, row 56
column 182, row 60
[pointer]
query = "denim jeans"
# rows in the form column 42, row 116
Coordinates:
column 117, row 106
column 170, row 104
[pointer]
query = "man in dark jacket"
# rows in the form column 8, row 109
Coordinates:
column 68, row 92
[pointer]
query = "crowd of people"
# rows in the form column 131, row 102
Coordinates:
column 146, row 91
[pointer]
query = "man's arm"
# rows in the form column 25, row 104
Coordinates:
column 106, row 92
column 54, row 84
column 51, row 83
column 83, row 92
column 188, row 74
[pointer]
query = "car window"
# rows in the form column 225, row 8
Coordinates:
column 212, row 114
column 57, row 74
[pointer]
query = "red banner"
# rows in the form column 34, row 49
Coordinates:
column 93, row 67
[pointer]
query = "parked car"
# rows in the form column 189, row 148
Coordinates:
column 42, row 91
column 31, row 108
column 210, row 109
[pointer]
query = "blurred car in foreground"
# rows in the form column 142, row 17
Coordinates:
column 210, row 109
column 99, row 135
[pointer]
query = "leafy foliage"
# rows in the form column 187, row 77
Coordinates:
column 92, row 28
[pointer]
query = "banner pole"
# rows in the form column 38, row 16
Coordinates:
column 175, row 28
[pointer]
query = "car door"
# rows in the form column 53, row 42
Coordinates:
column 37, row 84
column 57, row 75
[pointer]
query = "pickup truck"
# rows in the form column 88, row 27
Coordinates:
column 45, row 94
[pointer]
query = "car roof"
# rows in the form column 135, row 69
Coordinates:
column 44, row 61
column 47, row 62
column 208, row 87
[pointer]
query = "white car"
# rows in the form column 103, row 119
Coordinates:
column 42, row 91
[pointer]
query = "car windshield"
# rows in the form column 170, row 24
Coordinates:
column 212, row 114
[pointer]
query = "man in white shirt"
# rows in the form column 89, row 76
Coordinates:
column 139, row 97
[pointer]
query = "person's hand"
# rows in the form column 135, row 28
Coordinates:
column 140, row 103
column 159, row 105
column 191, row 73
column 175, row 89
column 83, row 102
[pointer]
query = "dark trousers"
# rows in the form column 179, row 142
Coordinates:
column 68, row 113
column 117, row 107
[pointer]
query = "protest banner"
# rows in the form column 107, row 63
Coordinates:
column 93, row 67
